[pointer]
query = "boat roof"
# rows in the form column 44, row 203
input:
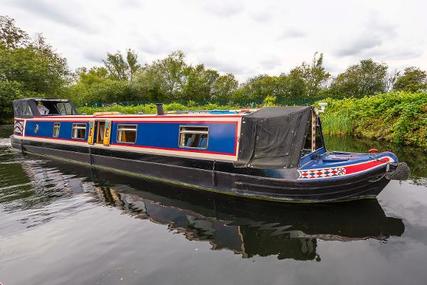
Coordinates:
column 112, row 115
column 44, row 100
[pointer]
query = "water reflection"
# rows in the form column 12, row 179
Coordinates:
column 251, row 229
column 244, row 227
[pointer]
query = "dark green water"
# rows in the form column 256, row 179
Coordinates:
column 67, row 224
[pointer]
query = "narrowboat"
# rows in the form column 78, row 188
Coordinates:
column 273, row 153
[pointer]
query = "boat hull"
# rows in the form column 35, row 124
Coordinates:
column 217, row 177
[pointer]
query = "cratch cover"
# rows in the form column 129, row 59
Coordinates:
column 273, row 137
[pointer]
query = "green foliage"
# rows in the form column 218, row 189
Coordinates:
column 11, row 36
column 312, row 76
column 151, row 108
column 28, row 68
column 120, row 68
column 412, row 80
column 269, row 101
column 303, row 82
column 166, row 80
column 399, row 117
column 8, row 92
column 364, row 79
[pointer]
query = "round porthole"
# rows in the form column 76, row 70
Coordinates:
column 36, row 128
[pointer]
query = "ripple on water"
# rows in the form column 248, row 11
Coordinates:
column 34, row 194
column 5, row 142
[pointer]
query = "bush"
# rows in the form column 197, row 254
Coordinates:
column 399, row 117
column 151, row 108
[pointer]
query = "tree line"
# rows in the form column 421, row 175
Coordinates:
column 29, row 67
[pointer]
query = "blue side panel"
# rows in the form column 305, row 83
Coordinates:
column 222, row 137
column 66, row 129
column 45, row 129
column 39, row 129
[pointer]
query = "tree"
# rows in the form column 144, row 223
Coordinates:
column 132, row 62
column 120, row 68
column 313, row 75
column 413, row 79
column 199, row 83
column 10, row 35
column 163, row 80
column 364, row 79
column 294, row 85
column 256, row 89
column 224, row 88
column 8, row 92
column 36, row 67
column 28, row 68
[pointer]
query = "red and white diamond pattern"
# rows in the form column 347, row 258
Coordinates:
column 321, row 173
column 18, row 127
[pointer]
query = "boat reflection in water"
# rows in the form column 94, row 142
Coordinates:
column 247, row 228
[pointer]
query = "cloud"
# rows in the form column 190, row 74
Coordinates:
column 271, row 63
column 261, row 16
column 54, row 12
column 224, row 8
column 156, row 45
column 396, row 53
column 358, row 46
column 404, row 54
column 132, row 3
column 292, row 33
column 226, row 66
column 373, row 35
column 94, row 55
column 377, row 44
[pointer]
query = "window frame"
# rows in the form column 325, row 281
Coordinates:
column 193, row 132
column 126, row 125
column 53, row 129
column 74, row 126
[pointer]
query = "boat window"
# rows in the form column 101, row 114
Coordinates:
column 56, row 127
column 22, row 109
column 193, row 137
column 64, row 108
column 126, row 133
column 47, row 107
column 79, row 131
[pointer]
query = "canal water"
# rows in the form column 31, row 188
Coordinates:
column 67, row 224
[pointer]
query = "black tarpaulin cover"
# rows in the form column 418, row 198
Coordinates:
column 273, row 137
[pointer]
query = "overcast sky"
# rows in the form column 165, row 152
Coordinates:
column 242, row 37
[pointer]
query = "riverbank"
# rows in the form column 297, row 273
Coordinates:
column 398, row 117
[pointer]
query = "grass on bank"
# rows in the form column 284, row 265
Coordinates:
column 398, row 117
